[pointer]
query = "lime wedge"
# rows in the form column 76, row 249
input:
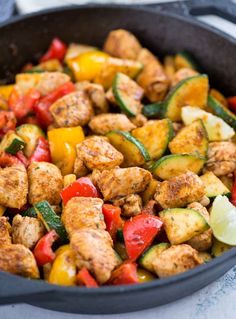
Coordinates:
column 223, row 220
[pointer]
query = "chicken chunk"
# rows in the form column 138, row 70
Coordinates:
column 18, row 260
column 182, row 74
column 203, row 241
column 104, row 123
column 79, row 168
column 152, row 78
column 92, row 249
column 120, row 182
column 27, row 230
column 180, row 191
column 221, row 158
column 122, row 44
column 97, row 153
column 80, row 212
column 13, row 186
column 72, row 110
column 45, row 183
column 131, row 205
column 5, row 238
column 175, row 260
column 139, row 120
column 96, row 94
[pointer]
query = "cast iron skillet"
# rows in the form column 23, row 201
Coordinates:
column 163, row 32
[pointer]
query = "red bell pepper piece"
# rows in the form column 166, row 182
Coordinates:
column 232, row 103
column 139, row 233
column 57, row 50
column 233, row 193
column 84, row 278
column 112, row 219
column 81, row 187
column 41, row 109
column 21, row 157
column 41, row 152
column 43, row 252
column 8, row 159
column 125, row 274
column 7, row 122
column 22, row 105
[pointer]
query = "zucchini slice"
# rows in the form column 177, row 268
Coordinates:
column 155, row 136
column 149, row 255
column 134, row 152
column 222, row 111
column 191, row 91
column 12, row 143
column 218, row 248
column 216, row 128
column 127, row 93
column 176, row 164
column 153, row 111
column 50, row 219
column 213, row 185
column 184, row 59
column 191, row 139
column 30, row 134
column 31, row 212
column 181, row 224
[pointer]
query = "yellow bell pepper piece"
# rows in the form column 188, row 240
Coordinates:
column 63, row 270
column 68, row 179
column 144, row 275
column 63, row 143
column 2, row 210
column 5, row 91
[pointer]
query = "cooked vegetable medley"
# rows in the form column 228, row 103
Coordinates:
column 115, row 168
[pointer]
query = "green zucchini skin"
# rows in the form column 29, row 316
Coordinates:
column 149, row 255
column 15, row 146
column 120, row 235
column 222, row 111
column 53, row 221
column 153, row 111
column 30, row 212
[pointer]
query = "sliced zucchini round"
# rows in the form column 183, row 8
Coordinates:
column 127, row 93
column 30, row 134
column 149, row 255
column 134, row 152
column 191, row 91
column 153, row 111
column 184, row 59
column 172, row 165
column 222, row 111
column 12, row 143
column 191, row 139
column 155, row 136
column 213, row 185
column 181, row 224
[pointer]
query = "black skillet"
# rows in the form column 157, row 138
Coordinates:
column 166, row 28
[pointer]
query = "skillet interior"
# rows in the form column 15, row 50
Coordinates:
column 162, row 33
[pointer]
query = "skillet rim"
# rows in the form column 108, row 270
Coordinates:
column 227, row 256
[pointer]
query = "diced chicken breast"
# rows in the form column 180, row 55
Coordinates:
column 182, row 74
column 139, row 120
column 120, row 182
column 72, row 110
column 18, row 260
column 104, row 123
column 79, row 168
column 122, row 44
column 5, row 238
column 130, row 205
column 92, row 249
column 45, row 183
column 27, row 230
column 175, row 260
column 50, row 81
column 97, row 153
column 80, row 212
column 179, row 191
column 13, row 186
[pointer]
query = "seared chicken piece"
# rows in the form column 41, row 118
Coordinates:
column 18, row 260
column 177, row 127
column 92, row 249
column 182, row 74
column 104, row 123
column 79, row 168
column 175, row 260
column 5, row 238
column 96, row 94
column 45, row 183
column 72, row 110
column 110, row 96
column 139, row 120
column 13, row 186
column 152, row 78
column 122, row 44
column 82, row 212
column 203, row 241
column 27, row 230
column 221, row 158
column 120, row 182
column 97, row 153
column 180, row 191
column 130, row 205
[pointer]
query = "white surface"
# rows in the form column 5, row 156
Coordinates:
column 215, row 301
